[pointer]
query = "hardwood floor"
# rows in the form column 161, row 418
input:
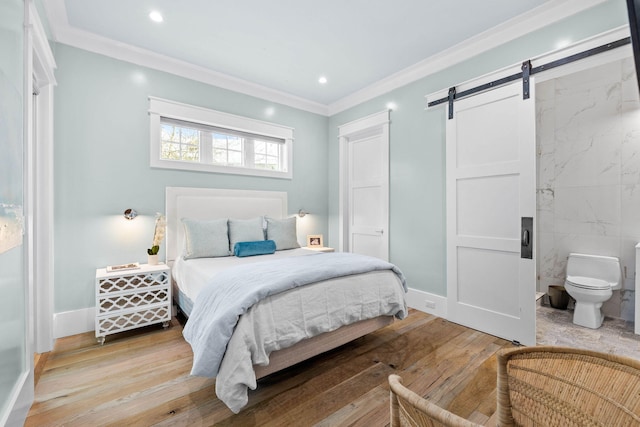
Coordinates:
column 142, row 378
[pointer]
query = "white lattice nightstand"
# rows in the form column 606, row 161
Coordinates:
column 131, row 299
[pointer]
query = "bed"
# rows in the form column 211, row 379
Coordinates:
column 257, row 346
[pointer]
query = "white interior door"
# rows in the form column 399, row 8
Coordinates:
column 490, row 187
column 368, row 197
column 364, row 185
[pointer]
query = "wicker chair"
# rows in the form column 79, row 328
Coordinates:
column 555, row 386
column 409, row 409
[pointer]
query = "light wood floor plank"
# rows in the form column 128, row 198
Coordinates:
column 141, row 378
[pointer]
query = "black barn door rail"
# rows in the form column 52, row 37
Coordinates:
column 527, row 70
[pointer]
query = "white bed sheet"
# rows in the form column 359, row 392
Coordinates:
column 192, row 275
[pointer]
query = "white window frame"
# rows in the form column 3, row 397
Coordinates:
column 159, row 107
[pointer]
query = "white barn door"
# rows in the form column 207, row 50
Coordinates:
column 490, row 182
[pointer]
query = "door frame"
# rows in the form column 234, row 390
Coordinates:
column 351, row 131
column 42, row 189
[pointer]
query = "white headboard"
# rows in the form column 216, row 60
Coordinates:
column 212, row 203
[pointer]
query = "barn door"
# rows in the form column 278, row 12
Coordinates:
column 491, row 202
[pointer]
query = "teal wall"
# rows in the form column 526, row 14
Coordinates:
column 102, row 164
column 13, row 281
column 417, row 146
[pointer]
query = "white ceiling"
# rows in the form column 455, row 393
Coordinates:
column 278, row 49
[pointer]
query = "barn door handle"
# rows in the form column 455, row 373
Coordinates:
column 379, row 231
column 526, row 246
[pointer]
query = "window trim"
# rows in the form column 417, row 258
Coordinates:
column 159, row 107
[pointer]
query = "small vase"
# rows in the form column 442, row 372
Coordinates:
column 152, row 259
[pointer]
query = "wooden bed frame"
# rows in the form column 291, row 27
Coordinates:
column 209, row 203
column 310, row 347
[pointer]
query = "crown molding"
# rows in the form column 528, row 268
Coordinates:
column 550, row 12
column 65, row 34
column 519, row 26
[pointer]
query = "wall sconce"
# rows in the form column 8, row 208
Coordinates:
column 302, row 213
column 130, row 214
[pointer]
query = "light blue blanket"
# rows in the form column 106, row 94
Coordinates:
column 233, row 291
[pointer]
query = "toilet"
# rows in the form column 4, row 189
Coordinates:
column 591, row 280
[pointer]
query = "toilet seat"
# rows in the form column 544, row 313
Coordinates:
column 588, row 283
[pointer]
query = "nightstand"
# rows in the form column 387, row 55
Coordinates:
column 319, row 249
column 132, row 298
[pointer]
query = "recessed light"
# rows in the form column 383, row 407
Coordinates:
column 155, row 16
column 322, row 80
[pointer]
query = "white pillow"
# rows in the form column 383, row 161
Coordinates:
column 205, row 238
column 245, row 230
column 283, row 232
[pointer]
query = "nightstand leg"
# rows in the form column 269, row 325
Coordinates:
column 100, row 340
column 165, row 324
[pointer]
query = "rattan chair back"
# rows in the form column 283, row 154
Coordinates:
column 555, row 386
column 409, row 409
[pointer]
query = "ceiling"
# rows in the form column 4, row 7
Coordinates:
column 278, row 49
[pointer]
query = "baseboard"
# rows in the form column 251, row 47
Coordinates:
column 74, row 322
column 427, row 302
column 40, row 359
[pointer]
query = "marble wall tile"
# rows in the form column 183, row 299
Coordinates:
column 630, row 211
column 628, row 305
column 629, row 83
column 545, row 209
column 613, row 306
column 546, row 91
column 545, row 146
column 630, row 146
column 592, row 160
column 587, row 136
column 577, row 109
column 602, row 75
column 546, row 253
column 628, row 260
column 587, row 210
column 545, row 122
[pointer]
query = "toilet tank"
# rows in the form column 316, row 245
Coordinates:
column 597, row 266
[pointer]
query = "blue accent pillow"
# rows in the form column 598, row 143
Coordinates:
column 284, row 232
column 205, row 238
column 259, row 247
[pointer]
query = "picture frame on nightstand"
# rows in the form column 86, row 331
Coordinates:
column 314, row 241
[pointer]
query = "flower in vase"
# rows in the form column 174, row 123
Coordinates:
column 158, row 234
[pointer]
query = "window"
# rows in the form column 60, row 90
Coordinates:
column 194, row 138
